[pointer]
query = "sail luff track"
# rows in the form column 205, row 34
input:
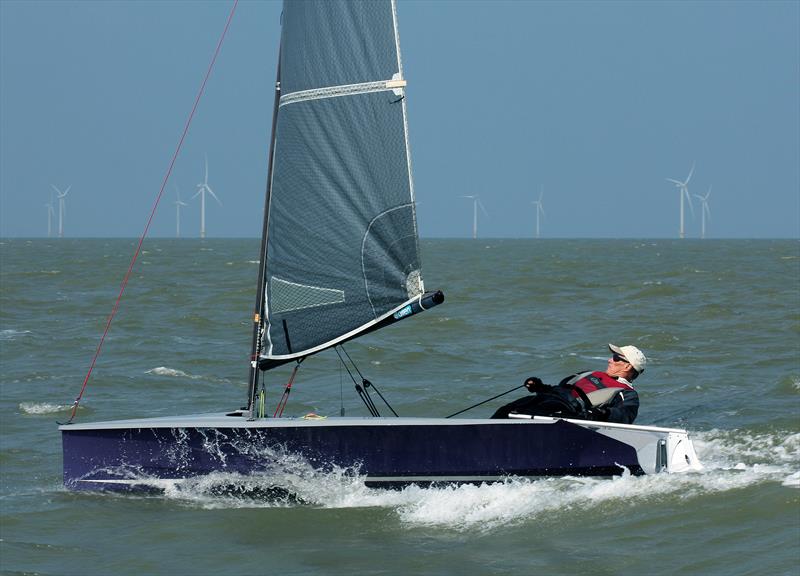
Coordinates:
column 405, row 125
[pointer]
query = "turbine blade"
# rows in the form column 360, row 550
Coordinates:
column 210, row 191
column 482, row 208
column 206, row 180
column 676, row 182
column 56, row 189
column 689, row 198
column 689, row 177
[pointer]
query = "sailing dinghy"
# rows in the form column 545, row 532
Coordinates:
column 340, row 258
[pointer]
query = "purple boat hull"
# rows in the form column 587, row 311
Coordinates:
column 124, row 455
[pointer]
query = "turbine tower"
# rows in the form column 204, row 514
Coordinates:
column 683, row 191
column 61, row 208
column 475, row 203
column 201, row 191
column 50, row 213
column 704, row 211
column 178, row 205
column 539, row 210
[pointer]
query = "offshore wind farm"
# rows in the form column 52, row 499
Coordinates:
column 203, row 188
column 178, row 205
column 705, row 211
column 476, row 203
column 600, row 139
column 539, row 212
column 62, row 209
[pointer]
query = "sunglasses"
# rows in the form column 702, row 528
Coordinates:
column 618, row 358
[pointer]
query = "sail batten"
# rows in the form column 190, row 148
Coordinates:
column 342, row 251
column 392, row 85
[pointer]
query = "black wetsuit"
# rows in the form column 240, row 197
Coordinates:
column 561, row 401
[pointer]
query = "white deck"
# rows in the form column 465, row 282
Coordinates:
column 221, row 420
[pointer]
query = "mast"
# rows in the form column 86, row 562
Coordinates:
column 258, row 317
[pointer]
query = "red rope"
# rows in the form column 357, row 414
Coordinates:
column 153, row 212
column 285, row 398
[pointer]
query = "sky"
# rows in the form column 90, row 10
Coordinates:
column 594, row 103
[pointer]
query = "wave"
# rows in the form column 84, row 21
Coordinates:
column 11, row 334
column 733, row 460
column 172, row 372
column 39, row 408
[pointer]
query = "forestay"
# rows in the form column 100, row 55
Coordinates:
column 342, row 247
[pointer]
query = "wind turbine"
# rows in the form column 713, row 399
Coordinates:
column 61, row 208
column 178, row 205
column 683, row 191
column 539, row 210
column 50, row 213
column 704, row 211
column 201, row 191
column 475, row 203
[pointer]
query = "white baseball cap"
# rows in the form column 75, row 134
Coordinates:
column 632, row 356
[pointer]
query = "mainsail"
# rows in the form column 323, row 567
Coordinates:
column 341, row 248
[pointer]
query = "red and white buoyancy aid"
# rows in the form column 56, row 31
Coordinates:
column 591, row 381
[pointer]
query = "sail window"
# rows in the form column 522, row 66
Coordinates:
column 286, row 296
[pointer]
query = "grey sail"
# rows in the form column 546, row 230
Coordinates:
column 342, row 249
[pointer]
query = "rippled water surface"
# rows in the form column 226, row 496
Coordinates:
column 719, row 321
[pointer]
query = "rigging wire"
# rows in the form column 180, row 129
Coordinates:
column 367, row 384
column 364, row 394
column 485, row 401
column 152, row 213
column 341, row 392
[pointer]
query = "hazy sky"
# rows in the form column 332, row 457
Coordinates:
column 596, row 102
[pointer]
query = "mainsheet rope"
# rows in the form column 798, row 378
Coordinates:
column 153, row 212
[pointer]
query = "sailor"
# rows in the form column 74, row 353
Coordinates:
column 604, row 396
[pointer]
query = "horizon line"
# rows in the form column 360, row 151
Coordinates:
column 469, row 238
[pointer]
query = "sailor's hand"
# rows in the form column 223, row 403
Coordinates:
column 534, row 384
column 599, row 414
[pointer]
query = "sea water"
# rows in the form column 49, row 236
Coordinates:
column 718, row 319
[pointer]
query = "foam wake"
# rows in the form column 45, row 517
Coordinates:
column 732, row 460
